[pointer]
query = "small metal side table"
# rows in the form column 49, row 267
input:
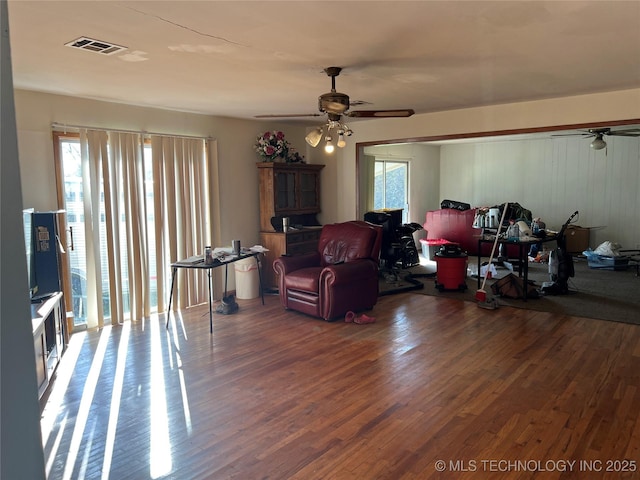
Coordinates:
column 198, row 264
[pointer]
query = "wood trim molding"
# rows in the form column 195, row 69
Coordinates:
column 497, row 133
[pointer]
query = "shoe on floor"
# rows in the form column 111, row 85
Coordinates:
column 228, row 300
column 364, row 319
column 226, row 308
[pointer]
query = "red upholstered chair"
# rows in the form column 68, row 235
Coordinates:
column 341, row 276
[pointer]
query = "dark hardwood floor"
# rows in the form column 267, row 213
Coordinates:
column 436, row 388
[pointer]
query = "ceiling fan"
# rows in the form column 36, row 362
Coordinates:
column 336, row 105
column 598, row 135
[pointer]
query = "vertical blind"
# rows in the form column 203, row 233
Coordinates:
column 134, row 221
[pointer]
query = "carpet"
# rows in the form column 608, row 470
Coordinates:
column 594, row 293
column 403, row 281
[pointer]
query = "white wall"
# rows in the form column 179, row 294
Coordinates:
column 553, row 178
column 21, row 453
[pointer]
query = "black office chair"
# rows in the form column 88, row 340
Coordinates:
column 408, row 251
column 398, row 246
column 390, row 248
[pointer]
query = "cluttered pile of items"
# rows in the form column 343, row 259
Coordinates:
column 611, row 256
column 560, row 266
column 608, row 255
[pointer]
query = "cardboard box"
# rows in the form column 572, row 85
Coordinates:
column 577, row 239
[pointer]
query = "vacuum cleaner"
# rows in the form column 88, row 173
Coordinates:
column 560, row 265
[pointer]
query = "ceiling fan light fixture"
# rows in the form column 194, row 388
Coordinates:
column 314, row 136
column 335, row 105
column 598, row 143
column 328, row 147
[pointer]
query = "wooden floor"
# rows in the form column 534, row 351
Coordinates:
column 436, row 388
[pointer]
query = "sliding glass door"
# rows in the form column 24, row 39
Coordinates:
column 73, row 187
column 73, row 197
column 131, row 212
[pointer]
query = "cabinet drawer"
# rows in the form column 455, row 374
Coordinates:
column 304, row 247
column 293, row 238
column 311, row 236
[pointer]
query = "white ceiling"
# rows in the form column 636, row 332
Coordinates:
column 241, row 59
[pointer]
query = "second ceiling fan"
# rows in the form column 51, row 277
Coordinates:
column 336, row 105
column 598, row 135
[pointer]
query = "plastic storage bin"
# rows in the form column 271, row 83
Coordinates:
column 605, row 263
column 431, row 246
column 247, row 279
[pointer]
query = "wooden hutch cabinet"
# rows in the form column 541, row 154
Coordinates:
column 288, row 190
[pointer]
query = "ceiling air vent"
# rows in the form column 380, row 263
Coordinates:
column 97, row 46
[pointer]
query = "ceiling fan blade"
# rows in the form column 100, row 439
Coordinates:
column 289, row 115
column 634, row 132
column 585, row 134
column 380, row 113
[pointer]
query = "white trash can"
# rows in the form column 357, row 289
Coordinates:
column 247, row 279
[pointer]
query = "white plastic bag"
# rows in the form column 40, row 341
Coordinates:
column 553, row 263
column 525, row 230
column 489, row 267
column 608, row 249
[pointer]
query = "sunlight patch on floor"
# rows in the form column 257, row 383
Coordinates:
column 116, row 397
column 85, row 403
column 173, row 346
column 56, row 444
column 64, row 373
column 160, row 461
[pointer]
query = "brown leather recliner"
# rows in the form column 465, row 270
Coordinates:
column 341, row 276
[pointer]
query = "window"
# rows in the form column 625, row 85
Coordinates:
column 391, row 186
